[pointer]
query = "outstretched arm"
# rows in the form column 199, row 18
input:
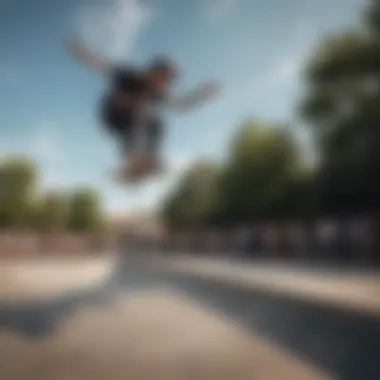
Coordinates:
column 194, row 98
column 95, row 62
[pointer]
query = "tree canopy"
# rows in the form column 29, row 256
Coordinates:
column 17, row 188
column 342, row 105
column 191, row 201
column 23, row 207
column 264, row 176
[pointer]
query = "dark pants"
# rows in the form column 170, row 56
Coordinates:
column 133, row 137
column 146, row 138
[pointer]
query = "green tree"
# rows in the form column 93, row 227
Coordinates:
column 264, row 177
column 192, row 200
column 342, row 106
column 52, row 212
column 17, row 192
column 85, row 211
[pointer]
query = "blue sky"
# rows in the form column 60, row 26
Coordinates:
column 255, row 48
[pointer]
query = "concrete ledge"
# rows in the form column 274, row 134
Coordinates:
column 35, row 280
column 359, row 292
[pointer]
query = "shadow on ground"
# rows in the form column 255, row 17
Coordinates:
column 37, row 319
column 345, row 344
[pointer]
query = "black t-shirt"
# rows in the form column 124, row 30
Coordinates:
column 131, row 95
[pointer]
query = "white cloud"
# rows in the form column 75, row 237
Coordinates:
column 113, row 26
column 218, row 10
column 288, row 67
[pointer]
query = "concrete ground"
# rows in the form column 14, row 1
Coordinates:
column 149, row 335
column 140, row 320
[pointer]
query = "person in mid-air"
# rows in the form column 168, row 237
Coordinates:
column 131, row 106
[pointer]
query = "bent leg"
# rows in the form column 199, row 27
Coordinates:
column 127, row 140
column 153, row 145
column 154, row 138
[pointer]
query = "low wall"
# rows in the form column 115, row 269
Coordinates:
column 351, row 239
column 26, row 244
